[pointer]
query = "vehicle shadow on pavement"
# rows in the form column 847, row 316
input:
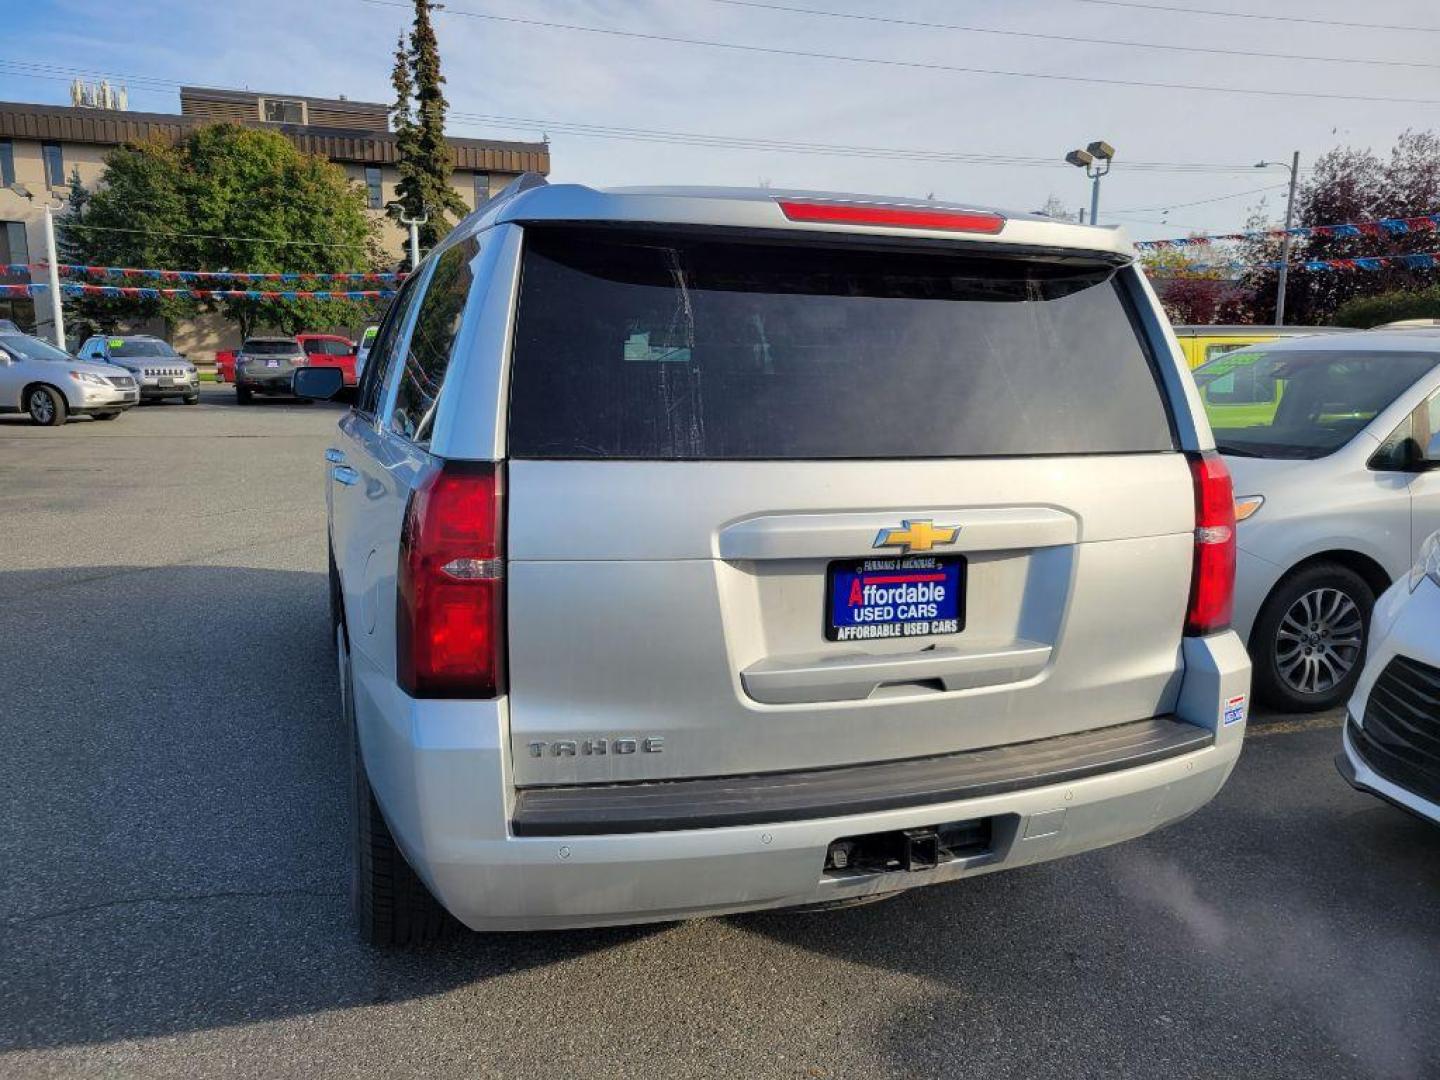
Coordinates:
column 1287, row 929
column 174, row 829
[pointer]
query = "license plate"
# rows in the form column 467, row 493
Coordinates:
column 167, row 381
column 897, row 597
column 272, row 363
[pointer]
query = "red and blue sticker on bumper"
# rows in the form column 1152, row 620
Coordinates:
column 895, row 597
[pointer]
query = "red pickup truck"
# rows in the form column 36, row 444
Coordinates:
column 330, row 350
column 323, row 350
column 225, row 365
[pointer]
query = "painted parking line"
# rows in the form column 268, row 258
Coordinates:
column 1334, row 720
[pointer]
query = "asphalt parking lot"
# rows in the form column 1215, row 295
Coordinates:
column 172, row 838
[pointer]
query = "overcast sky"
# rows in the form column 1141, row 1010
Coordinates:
column 547, row 77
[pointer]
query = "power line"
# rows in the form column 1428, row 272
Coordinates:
column 917, row 65
column 1176, row 9
column 206, row 236
column 1072, row 39
column 729, row 142
column 1199, row 202
column 793, row 146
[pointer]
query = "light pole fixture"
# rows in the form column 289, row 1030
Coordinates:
column 1294, row 168
column 1096, row 159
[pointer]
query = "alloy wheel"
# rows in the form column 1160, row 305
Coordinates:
column 42, row 409
column 1320, row 640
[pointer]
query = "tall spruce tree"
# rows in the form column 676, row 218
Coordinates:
column 418, row 116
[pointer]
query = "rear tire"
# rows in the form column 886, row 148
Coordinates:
column 390, row 904
column 243, row 396
column 46, row 406
column 1308, row 644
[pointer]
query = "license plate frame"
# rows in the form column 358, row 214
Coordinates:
column 893, row 572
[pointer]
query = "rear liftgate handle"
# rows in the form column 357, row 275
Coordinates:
column 795, row 680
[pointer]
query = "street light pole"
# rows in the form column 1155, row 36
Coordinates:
column 52, row 262
column 414, row 224
column 1096, row 160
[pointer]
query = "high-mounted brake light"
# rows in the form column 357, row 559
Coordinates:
column 450, row 603
column 1212, row 583
column 901, row 217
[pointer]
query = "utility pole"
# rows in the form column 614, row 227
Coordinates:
column 1285, row 242
column 1294, row 168
column 52, row 263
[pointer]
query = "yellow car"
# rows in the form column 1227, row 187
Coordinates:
column 1202, row 344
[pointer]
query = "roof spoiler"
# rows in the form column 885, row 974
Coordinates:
column 523, row 182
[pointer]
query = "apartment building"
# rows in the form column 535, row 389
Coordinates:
column 41, row 145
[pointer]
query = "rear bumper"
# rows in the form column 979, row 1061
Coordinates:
column 441, row 772
column 282, row 383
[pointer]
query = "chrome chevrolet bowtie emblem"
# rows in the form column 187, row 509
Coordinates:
column 918, row 535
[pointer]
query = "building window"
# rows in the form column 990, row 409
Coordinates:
column 374, row 196
column 14, row 247
column 54, row 164
column 278, row 111
column 482, row 189
column 7, row 163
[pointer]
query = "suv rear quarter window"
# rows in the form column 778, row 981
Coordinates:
column 645, row 345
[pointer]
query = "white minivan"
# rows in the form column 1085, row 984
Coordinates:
column 703, row 550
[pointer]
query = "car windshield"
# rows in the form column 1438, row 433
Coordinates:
column 1301, row 404
column 271, row 348
column 139, row 347
column 30, row 348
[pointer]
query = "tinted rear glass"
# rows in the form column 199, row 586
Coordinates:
column 326, row 347
column 643, row 346
column 271, row 348
column 140, row 347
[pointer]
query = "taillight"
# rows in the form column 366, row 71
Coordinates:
column 450, row 609
column 904, row 217
column 1212, row 585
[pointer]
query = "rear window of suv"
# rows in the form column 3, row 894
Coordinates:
column 271, row 348
column 648, row 346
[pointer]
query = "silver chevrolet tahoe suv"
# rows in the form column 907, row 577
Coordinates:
column 699, row 551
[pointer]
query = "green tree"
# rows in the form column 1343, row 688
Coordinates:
column 1350, row 185
column 1363, row 312
column 224, row 198
column 418, row 116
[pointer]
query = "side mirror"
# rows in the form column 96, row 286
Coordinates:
column 317, row 383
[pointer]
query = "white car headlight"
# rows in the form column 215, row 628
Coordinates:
column 89, row 378
column 1428, row 564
